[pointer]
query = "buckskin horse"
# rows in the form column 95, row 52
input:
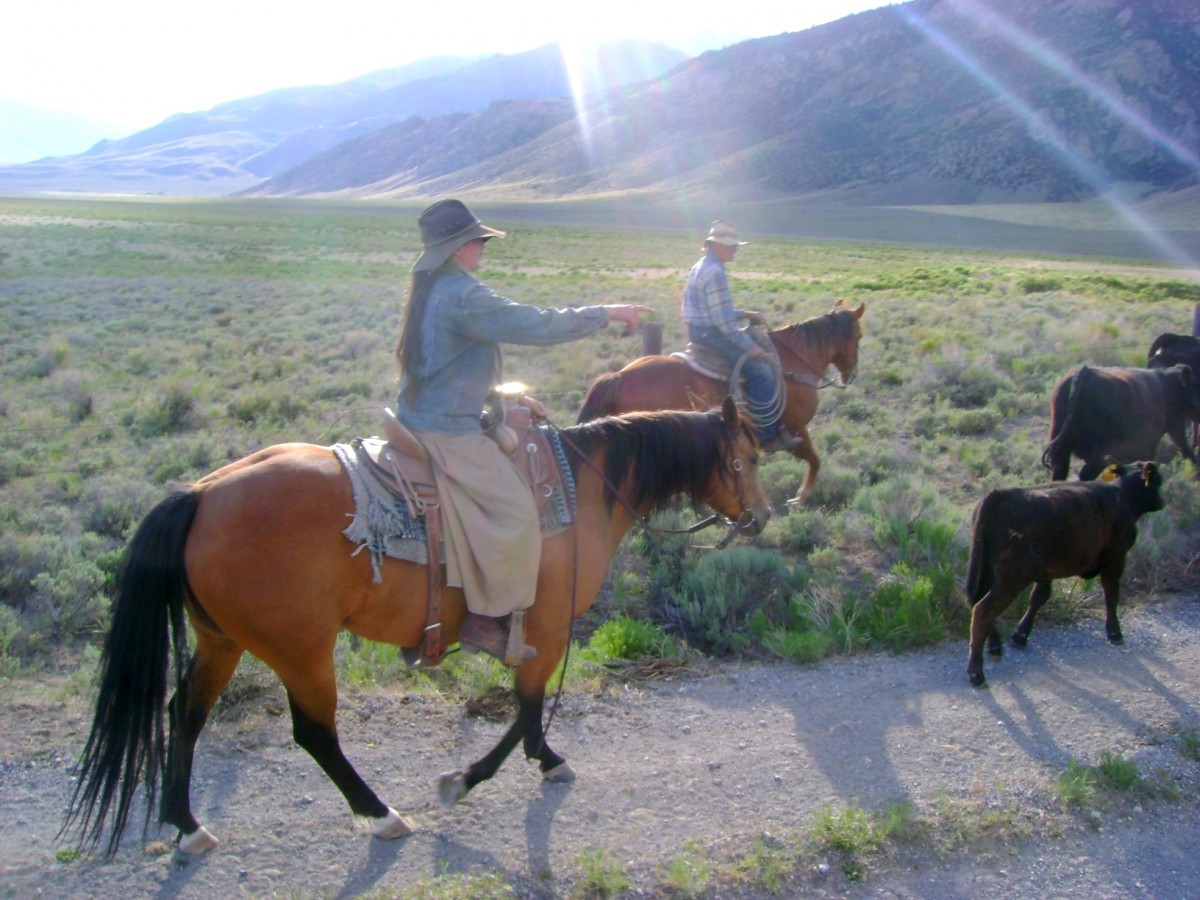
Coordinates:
column 805, row 349
column 255, row 555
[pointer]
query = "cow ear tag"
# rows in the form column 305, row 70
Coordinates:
column 1109, row 474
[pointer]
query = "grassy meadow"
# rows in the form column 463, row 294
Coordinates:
column 148, row 342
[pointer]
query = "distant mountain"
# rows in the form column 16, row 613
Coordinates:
column 930, row 101
column 237, row 144
column 30, row 132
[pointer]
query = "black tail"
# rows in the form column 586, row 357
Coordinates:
column 979, row 568
column 601, row 399
column 1062, row 408
column 127, row 741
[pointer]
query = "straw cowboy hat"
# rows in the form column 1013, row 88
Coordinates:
column 445, row 227
column 723, row 233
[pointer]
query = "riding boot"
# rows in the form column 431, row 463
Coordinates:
column 502, row 637
column 781, row 440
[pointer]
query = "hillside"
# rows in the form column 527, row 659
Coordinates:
column 924, row 102
column 237, row 144
column 927, row 101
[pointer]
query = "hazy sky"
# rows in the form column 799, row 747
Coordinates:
column 135, row 62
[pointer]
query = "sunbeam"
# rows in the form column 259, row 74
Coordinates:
column 1046, row 132
column 991, row 20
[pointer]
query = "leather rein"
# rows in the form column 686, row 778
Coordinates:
column 818, row 379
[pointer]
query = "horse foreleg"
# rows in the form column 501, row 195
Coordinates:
column 808, row 453
column 453, row 786
column 527, row 727
column 211, row 668
column 553, row 767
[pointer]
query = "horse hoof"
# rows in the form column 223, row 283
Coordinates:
column 996, row 651
column 392, row 826
column 978, row 680
column 452, row 787
column 199, row 841
column 560, row 774
column 1116, row 639
column 1019, row 640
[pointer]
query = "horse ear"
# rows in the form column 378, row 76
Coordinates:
column 862, row 308
column 730, row 415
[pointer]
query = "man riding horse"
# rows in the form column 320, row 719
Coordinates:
column 712, row 322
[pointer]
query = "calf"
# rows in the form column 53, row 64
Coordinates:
column 1023, row 536
column 1112, row 415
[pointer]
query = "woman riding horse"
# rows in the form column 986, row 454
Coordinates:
column 255, row 554
column 449, row 356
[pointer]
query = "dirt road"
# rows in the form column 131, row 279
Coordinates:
column 721, row 758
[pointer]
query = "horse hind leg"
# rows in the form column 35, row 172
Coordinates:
column 209, row 672
column 313, row 702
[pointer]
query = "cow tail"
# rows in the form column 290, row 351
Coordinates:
column 601, row 398
column 1062, row 416
column 979, row 568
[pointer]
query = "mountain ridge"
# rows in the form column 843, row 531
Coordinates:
column 922, row 102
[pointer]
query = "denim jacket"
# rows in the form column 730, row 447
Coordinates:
column 465, row 323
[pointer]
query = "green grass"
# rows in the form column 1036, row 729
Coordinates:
column 151, row 341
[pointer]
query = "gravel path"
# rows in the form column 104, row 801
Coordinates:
column 720, row 757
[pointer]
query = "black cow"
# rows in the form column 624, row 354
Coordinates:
column 1175, row 350
column 1113, row 415
column 1023, row 536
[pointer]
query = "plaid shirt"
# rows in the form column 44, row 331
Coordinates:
column 708, row 302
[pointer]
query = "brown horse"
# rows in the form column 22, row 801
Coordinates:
column 805, row 351
column 254, row 554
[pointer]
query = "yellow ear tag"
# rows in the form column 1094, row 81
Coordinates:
column 1110, row 474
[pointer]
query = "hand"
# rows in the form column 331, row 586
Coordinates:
column 536, row 408
column 754, row 318
column 629, row 314
column 757, row 352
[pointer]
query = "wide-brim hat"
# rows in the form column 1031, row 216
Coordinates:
column 446, row 226
column 723, row 232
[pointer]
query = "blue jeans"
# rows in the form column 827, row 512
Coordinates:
column 759, row 377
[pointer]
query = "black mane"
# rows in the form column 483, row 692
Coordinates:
column 660, row 454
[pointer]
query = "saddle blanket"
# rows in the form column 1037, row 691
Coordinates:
column 387, row 525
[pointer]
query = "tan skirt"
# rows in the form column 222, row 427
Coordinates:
column 493, row 537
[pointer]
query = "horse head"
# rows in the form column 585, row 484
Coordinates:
column 737, row 492
column 845, row 350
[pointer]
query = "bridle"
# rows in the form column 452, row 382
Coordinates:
column 744, row 521
column 817, row 380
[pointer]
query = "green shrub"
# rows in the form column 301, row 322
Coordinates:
column 905, row 611
column 1040, row 284
column 66, row 603
column 798, row 531
column 627, row 638
column 722, row 594
column 799, row 646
